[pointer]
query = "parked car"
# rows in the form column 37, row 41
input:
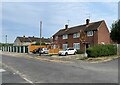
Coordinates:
column 44, row 50
column 40, row 50
column 67, row 51
column 36, row 51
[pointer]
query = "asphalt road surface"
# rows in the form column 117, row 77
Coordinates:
column 37, row 71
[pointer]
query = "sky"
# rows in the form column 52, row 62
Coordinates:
column 23, row 18
column 119, row 10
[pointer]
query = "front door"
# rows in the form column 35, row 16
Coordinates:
column 87, row 45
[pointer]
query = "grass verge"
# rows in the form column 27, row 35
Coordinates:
column 99, row 59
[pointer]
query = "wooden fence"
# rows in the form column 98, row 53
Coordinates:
column 32, row 47
column 54, row 51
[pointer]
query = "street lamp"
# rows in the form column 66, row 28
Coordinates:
column 40, row 35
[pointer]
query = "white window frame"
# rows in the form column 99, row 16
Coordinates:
column 64, row 46
column 76, row 46
column 65, row 36
column 76, row 35
column 56, row 37
column 90, row 33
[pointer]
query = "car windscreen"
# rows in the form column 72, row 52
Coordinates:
column 45, row 49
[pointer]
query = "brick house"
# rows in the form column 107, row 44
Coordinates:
column 82, row 36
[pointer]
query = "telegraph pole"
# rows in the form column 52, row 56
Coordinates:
column 40, row 34
column 6, row 39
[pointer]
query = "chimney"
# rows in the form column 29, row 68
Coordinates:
column 66, row 26
column 87, row 21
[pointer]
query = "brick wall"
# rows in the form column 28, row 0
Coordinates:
column 68, row 41
column 103, row 34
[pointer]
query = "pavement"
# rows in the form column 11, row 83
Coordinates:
column 30, row 69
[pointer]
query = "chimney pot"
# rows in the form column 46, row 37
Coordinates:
column 87, row 21
column 66, row 26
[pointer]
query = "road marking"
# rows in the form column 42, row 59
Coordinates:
column 17, row 72
column 27, row 80
column 2, row 70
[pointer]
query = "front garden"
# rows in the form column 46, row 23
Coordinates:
column 101, row 53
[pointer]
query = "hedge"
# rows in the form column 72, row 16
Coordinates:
column 102, row 50
column 79, row 52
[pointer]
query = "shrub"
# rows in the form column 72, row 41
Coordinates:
column 79, row 52
column 102, row 50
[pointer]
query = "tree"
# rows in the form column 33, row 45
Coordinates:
column 115, row 32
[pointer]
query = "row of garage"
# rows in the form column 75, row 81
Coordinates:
column 18, row 49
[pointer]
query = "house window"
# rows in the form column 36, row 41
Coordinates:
column 90, row 33
column 65, row 36
column 76, row 45
column 65, row 46
column 76, row 35
column 56, row 37
column 54, row 46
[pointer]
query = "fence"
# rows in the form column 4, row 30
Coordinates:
column 17, row 49
column 54, row 51
column 32, row 47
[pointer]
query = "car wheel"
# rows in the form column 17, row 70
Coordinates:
column 65, row 54
column 74, row 53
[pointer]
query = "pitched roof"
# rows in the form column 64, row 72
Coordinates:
column 33, row 39
column 71, row 30
column 24, row 39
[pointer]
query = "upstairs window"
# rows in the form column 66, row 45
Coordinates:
column 90, row 33
column 76, row 35
column 65, row 36
column 56, row 37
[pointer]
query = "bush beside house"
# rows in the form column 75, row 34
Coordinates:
column 102, row 50
column 79, row 52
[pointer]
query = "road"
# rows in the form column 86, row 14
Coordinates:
column 37, row 71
